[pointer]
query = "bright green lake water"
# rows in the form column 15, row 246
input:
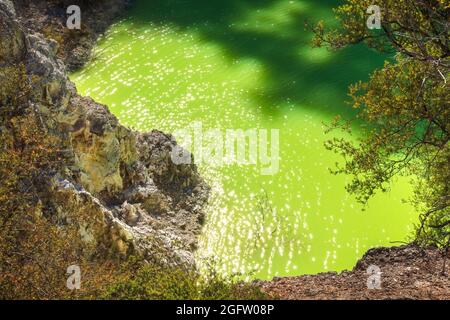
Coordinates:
column 241, row 64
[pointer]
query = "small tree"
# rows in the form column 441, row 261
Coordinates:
column 406, row 105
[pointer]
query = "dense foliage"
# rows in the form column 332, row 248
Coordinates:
column 406, row 104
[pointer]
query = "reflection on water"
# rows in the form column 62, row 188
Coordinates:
column 247, row 64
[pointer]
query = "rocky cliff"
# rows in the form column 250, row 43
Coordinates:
column 135, row 198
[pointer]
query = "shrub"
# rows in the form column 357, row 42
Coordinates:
column 405, row 106
column 157, row 282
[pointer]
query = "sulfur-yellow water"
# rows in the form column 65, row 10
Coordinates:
column 241, row 64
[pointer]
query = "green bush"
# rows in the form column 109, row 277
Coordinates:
column 157, row 282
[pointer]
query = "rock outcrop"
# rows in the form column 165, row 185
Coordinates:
column 135, row 198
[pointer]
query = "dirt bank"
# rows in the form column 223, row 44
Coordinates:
column 407, row 272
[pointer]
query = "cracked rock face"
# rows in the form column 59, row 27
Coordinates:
column 135, row 198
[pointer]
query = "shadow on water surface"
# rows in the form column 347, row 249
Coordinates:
column 273, row 33
column 321, row 227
